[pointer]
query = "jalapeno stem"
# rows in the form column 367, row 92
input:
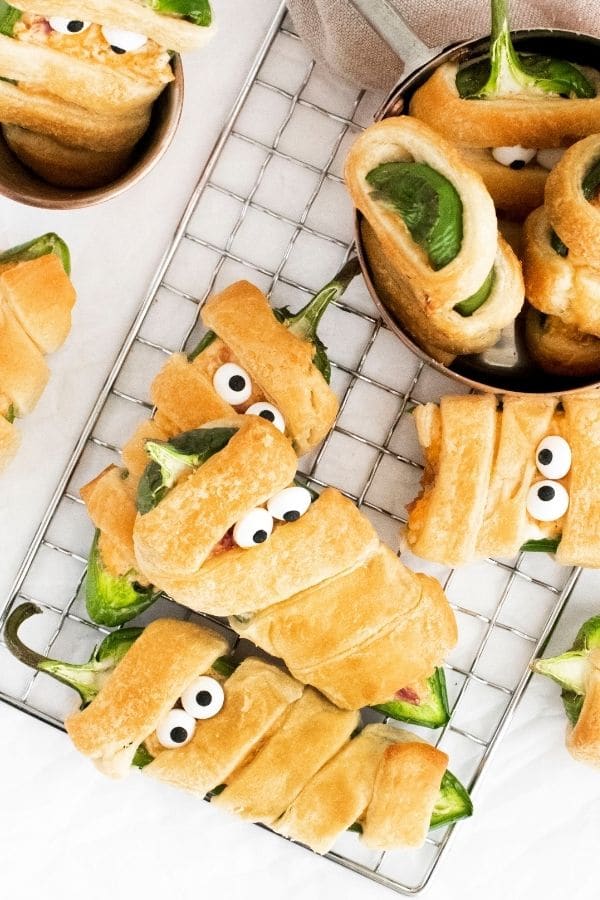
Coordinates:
column 11, row 637
column 304, row 323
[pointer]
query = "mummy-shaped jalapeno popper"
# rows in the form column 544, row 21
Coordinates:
column 77, row 79
column 561, row 263
column 578, row 673
column 309, row 582
column 511, row 114
column 431, row 238
column 165, row 699
column 499, row 479
column 36, row 298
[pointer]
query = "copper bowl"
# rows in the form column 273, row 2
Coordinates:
column 507, row 367
column 22, row 185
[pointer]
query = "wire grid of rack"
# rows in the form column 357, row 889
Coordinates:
column 270, row 206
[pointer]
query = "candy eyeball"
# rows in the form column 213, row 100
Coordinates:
column 232, row 384
column 204, row 698
column 68, row 26
column 269, row 412
column 123, row 41
column 291, row 503
column 553, row 457
column 513, row 157
column 176, row 729
column 548, row 158
column 547, row 501
column 253, row 529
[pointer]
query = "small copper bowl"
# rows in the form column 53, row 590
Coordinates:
column 22, row 185
column 507, row 367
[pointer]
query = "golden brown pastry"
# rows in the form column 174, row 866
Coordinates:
column 79, row 80
column 164, row 700
column 561, row 349
column 497, row 479
column 451, row 280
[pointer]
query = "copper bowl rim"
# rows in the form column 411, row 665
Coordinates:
column 387, row 109
column 165, row 118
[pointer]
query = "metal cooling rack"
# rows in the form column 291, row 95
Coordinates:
column 270, row 206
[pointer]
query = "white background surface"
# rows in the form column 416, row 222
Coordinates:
column 66, row 832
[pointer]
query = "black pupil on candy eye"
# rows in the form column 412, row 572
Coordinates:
column 74, row 26
column 203, row 698
column 517, row 164
column 237, row 383
column 545, row 457
column 117, row 49
column 178, row 735
column 546, row 492
column 291, row 515
column 268, row 415
column 259, row 537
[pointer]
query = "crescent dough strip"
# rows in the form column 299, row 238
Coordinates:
column 110, row 502
column 575, row 219
column 556, row 284
column 515, row 192
column 41, row 296
column 330, row 538
column 68, row 123
column 23, row 370
column 267, row 785
column 532, row 121
column 521, row 425
column 144, row 686
column 362, row 635
column 257, row 696
column 580, row 542
column 176, row 537
column 88, row 84
column 456, row 478
column 445, row 333
column 406, row 139
column 405, row 790
column 130, row 15
column 243, row 319
column 561, row 349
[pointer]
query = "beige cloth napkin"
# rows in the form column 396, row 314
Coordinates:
column 338, row 36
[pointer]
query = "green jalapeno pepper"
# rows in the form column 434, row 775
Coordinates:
column 41, row 246
column 428, row 708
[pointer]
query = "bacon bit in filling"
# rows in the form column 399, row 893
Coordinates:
column 151, row 62
column 226, row 543
column 408, row 695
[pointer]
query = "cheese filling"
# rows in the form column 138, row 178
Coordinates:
column 150, row 62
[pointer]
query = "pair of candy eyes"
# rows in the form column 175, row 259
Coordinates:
column 548, row 500
column 256, row 526
column 234, row 385
column 518, row 157
column 202, row 699
column 120, row 41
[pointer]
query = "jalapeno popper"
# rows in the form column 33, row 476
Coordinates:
column 578, row 673
column 77, row 79
column 511, row 114
column 432, row 238
column 165, row 699
column 561, row 263
column 286, row 569
column 36, row 298
column 267, row 363
column 524, row 476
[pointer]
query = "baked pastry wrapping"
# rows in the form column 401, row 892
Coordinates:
column 518, row 477
column 511, row 114
column 79, row 79
column 578, row 673
column 560, row 349
column 164, row 699
column 431, row 238
column 36, row 298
